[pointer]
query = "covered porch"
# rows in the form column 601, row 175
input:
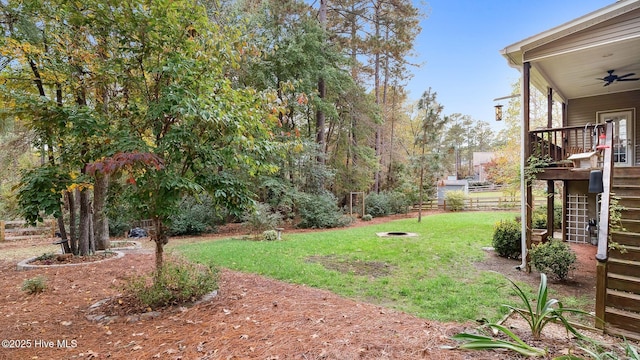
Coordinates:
column 590, row 66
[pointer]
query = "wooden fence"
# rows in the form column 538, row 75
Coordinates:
column 20, row 230
column 488, row 203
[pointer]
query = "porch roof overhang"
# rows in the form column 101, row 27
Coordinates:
column 572, row 58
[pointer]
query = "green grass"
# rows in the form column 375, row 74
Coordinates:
column 431, row 275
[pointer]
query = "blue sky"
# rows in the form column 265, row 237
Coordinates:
column 459, row 48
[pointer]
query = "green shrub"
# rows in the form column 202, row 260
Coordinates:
column 270, row 235
column 553, row 257
column 386, row 203
column 320, row 211
column 455, row 200
column 367, row 217
column 261, row 219
column 507, row 239
column 539, row 221
column 398, row 203
column 34, row 285
column 539, row 216
column 46, row 256
column 178, row 282
column 194, row 216
column 377, row 204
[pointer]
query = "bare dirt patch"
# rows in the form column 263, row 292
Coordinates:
column 357, row 267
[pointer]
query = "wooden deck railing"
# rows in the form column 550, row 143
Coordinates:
column 560, row 143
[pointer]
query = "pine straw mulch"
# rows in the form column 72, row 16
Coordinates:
column 251, row 317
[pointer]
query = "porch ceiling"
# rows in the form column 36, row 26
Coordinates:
column 572, row 57
column 577, row 74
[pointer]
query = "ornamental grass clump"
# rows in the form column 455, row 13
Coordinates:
column 537, row 316
column 545, row 310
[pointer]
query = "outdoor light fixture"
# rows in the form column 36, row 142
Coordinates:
column 498, row 112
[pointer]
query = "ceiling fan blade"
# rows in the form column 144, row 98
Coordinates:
column 625, row 76
column 633, row 79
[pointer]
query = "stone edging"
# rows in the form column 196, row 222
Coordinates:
column 24, row 264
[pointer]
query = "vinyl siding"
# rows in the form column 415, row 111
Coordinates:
column 583, row 110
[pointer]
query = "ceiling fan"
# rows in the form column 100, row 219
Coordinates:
column 611, row 78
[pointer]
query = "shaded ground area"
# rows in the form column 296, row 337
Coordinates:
column 252, row 317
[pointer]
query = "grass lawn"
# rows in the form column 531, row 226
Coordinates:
column 431, row 275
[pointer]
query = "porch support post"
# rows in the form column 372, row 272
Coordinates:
column 549, row 108
column 551, row 189
column 525, row 186
column 565, row 202
column 550, row 184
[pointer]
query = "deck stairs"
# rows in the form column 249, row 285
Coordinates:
column 622, row 311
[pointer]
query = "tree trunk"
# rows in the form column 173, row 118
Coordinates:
column 160, row 237
column 100, row 220
column 73, row 233
column 63, row 232
column 376, row 85
column 320, row 117
column 85, row 226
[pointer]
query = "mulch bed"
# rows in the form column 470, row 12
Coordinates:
column 252, row 317
column 59, row 259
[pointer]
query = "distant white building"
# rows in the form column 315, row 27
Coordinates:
column 451, row 184
column 480, row 160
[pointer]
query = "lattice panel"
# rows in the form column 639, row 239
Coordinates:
column 577, row 219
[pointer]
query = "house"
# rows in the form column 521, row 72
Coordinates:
column 480, row 161
column 591, row 66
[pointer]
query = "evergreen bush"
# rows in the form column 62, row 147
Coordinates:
column 377, row 204
column 270, row 235
column 539, row 216
column 194, row 216
column 455, row 200
column 320, row 211
column 507, row 239
column 398, row 203
column 386, row 203
column 553, row 257
column 261, row 218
